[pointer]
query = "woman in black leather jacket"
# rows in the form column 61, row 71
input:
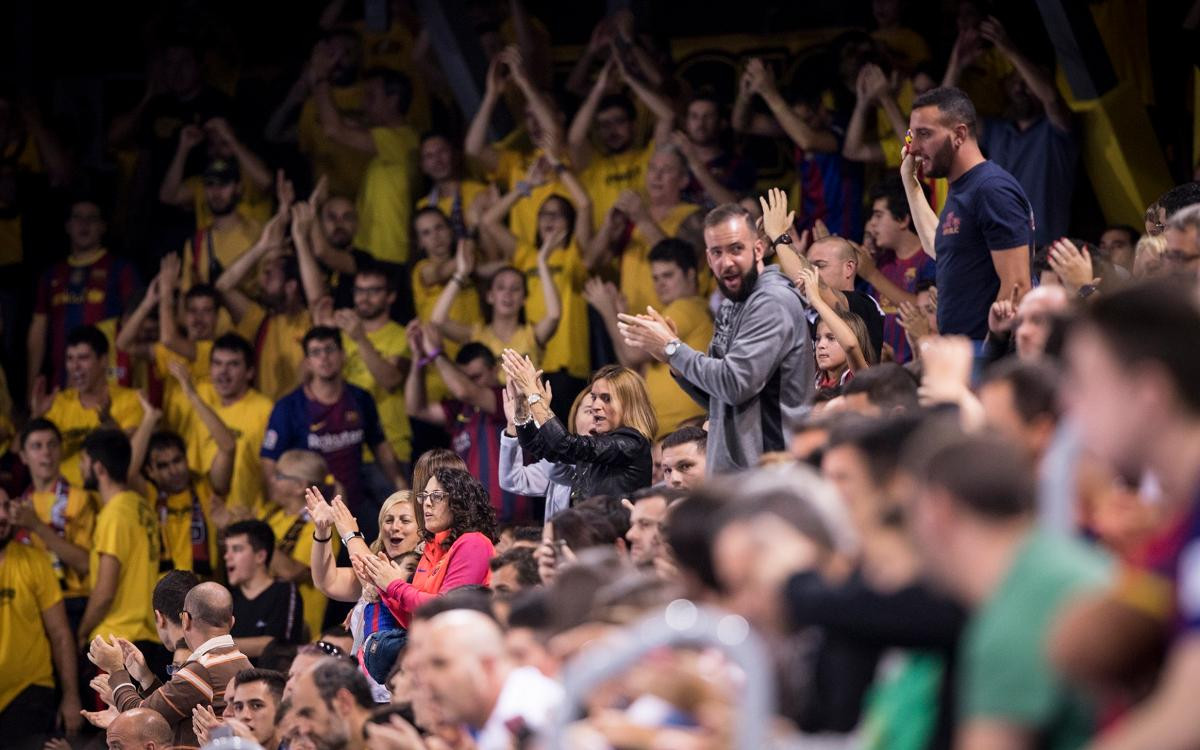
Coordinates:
column 613, row 460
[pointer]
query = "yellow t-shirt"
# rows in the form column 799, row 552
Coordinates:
column 523, row 341
column 468, row 191
column 344, row 166
column 127, row 530
column 247, row 418
column 671, row 404
column 174, row 402
column 75, row 422
column 390, row 341
column 12, row 244
column 567, row 349
column 385, row 200
column 607, row 176
column 465, row 310
column 255, row 205
column 74, row 522
column 522, row 218
column 226, row 244
column 637, row 284
column 176, row 518
column 278, row 341
column 393, row 49
column 27, row 589
column 294, row 538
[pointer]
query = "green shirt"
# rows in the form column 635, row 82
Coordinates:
column 1005, row 674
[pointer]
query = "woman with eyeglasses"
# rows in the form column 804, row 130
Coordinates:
column 615, row 458
column 460, row 528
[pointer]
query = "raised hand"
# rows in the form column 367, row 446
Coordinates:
column 1002, row 315
column 204, row 720
column 510, row 56
column 993, row 31
column 762, row 79
column 819, row 230
column 910, row 168
column 510, row 398
column 464, row 258
column 596, row 293
column 343, row 519
column 102, row 688
column 872, row 83
column 810, row 285
column 777, row 219
column 416, row 342
column 319, row 511
column 866, row 259
column 1073, row 265
column 539, row 171
column 101, row 719
column 190, row 136
column 497, row 76
column 348, row 321
column 319, row 192
column 303, row 216
column 182, row 375
column 551, row 242
column 520, row 370
column 947, row 364
column 39, row 399
column 382, row 571
column 168, row 269
column 150, row 412
column 630, row 203
column 432, row 337
column 285, row 192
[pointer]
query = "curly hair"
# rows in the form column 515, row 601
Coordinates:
column 470, row 506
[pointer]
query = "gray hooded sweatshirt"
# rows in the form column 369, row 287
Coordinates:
column 758, row 375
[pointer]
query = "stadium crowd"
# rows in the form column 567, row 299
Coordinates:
column 367, row 422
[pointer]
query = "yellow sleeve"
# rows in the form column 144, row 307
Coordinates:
column 394, row 144
column 81, row 522
column 248, row 326
column 45, row 585
column 113, row 530
column 126, row 408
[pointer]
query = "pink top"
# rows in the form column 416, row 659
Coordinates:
column 441, row 570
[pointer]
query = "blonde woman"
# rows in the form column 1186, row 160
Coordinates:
column 615, row 458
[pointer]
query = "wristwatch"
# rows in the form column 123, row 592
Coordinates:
column 672, row 347
column 533, row 398
column 783, row 239
column 346, row 539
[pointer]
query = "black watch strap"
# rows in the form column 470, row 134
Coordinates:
column 783, row 239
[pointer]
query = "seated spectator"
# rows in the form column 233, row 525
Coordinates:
column 459, row 529
column 673, row 269
column 514, row 571
column 684, row 458
column 974, row 513
column 647, row 516
column 615, row 458
column 881, row 390
column 264, row 609
column 255, row 701
column 63, row 295
column 1020, row 401
column 1024, row 326
column 215, row 660
column 506, row 325
column 90, row 401
column 142, row 728
column 331, row 701
column 1117, row 244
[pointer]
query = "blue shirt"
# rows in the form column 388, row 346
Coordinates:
column 337, row 431
column 1042, row 159
column 986, row 210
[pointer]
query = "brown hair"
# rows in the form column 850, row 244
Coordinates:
column 629, row 389
column 429, row 462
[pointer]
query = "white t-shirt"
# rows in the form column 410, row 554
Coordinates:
column 528, row 695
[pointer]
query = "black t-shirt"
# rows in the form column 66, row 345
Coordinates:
column 278, row 612
column 986, row 210
column 864, row 306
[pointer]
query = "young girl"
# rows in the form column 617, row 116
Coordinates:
column 842, row 344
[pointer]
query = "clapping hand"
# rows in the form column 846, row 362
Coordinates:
column 106, row 655
column 520, row 370
column 343, row 519
column 204, row 720
column 382, row 571
column 650, row 332
column 914, row 322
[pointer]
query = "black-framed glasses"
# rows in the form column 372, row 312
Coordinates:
column 437, row 497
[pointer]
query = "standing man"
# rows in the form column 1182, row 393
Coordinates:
column 37, row 641
column 983, row 238
column 90, row 287
column 335, row 419
column 758, row 373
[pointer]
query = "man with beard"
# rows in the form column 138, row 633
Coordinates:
column 221, row 144
column 228, row 394
column 227, row 235
column 336, row 419
column 332, row 239
column 983, row 237
column 332, row 703
column 377, row 361
column 123, row 564
column 758, row 373
column 37, row 641
column 90, row 401
column 1033, row 141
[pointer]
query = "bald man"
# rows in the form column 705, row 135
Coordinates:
column 837, row 263
column 468, row 673
column 1026, row 325
column 207, row 618
column 139, row 729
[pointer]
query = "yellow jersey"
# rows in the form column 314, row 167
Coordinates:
column 390, row 341
column 522, row 218
column 294, row 538
column 385, row 199
column 174, row 401
column 255, row 205
column 567, row 349
column 523, row 341
column 127, row 530
column 344, row 166
column 219, row 248
column 465, row 310
column 189, row 539
column 71, row 512
column 247, row 419
column 75, row 422
column 468, row 191
column 671, row 404
column 637, row 284
column 607, row 176
column 27, row 589
column 277, row 339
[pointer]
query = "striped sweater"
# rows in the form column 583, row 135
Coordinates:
column 199, row 682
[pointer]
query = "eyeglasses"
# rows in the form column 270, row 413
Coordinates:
column 437, row 497
column 172, row 669
column 281, row 477
column 370, row 289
